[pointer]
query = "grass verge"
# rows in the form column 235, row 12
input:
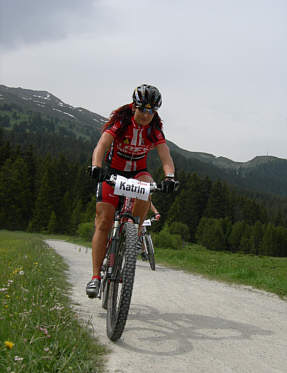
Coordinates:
column 266, row 273
column 261, row 272
column 39, row 331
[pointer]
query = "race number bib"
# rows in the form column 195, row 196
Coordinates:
column 147, row 223
column 132, row 188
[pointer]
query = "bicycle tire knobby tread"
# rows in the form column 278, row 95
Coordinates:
column 116, row 319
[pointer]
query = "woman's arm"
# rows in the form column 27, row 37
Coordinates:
column 104, row 143
column 166, row 160
column 153, row 209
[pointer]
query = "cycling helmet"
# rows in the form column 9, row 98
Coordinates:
column 147, row 96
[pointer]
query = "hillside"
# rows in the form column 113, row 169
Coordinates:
column 39, row 118
column 45, row 103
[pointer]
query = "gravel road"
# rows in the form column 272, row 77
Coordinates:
column 181, row 323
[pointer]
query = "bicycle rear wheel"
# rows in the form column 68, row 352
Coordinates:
column 150, row 250
column 121, row 285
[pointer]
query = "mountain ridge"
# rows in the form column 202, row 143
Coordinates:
column 41, row 98
column 262, row 173
column 224, row 162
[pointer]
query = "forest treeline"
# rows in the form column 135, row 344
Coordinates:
column 52, row 131
column 55, row 195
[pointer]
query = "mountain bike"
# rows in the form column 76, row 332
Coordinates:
column 147, row 242
column 118, row 270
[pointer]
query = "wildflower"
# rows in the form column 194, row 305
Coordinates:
column 57, row 307
column 44, row 330
column 46, row 349
column 21, row 273
column 18, row 358
column 3, row 289
column 9, row 344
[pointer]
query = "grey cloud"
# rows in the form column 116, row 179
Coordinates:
column 32, row 21
column 221, row 65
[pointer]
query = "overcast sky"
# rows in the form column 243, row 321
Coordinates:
column 219, row 64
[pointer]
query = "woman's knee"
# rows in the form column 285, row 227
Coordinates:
column 147, row 178
column 103, row 224
column 104, row 218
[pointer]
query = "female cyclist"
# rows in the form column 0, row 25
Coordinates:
column 131, row 132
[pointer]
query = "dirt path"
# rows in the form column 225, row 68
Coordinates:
column 184, row 323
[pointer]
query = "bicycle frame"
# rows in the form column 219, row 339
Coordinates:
column 122, row 215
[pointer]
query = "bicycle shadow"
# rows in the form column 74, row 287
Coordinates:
column 169, row 334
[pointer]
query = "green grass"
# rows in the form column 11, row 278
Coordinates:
column 266, row 273
column 261, row 272
column 36, row 319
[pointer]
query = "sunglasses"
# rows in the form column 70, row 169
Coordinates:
column 146, row 110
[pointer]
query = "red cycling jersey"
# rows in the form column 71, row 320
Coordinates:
column 129, row 153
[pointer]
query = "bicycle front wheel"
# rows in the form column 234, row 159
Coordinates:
column 150, row 250
column 121, row 285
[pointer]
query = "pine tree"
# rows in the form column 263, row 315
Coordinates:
column 279, row 219
column 5, row 153
column 269, row 241
column 226, row 225
column 256, row 237
column 90, row 210
column 15, row 194
column 251, row 211
column 188, row 206
column 65, row 213
column 52, row 225
column 76, row 217
column 282, row 241
column 48, row 199
column 236, row 234
column 246, row 240
column 218, row 205
column 210, row 234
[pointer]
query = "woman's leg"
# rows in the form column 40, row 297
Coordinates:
column 141, row 208
column 104, row 220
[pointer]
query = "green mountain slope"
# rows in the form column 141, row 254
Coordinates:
column 39, row 118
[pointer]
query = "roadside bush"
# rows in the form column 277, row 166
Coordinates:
column 86, row 231
column 210, row 233
column 181, row 229
column 164, row 239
